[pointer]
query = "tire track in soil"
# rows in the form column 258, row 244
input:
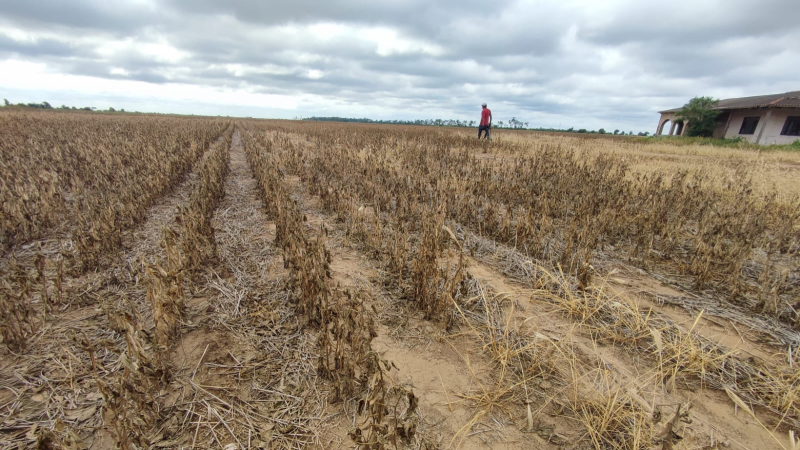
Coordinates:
column 54, row 366
column 432, row 364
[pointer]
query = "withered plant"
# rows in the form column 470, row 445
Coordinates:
column 131, row 410
column 390, row 412
column 566, row 210
column 345, row 328
column 21, row 318
column 194, row 220
column 165, row 293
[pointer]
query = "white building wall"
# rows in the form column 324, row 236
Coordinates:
column 768, row 128
column 772, row 132
column 735, row 124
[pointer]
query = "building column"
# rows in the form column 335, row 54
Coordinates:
column 727, row 124
column 685, row 127
column 672, row 128
column 763, row 125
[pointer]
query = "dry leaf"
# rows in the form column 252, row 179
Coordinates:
column 739, row 402
column 79, row 415
column 657, row 340
column 530, row 418
column 31, row 434
column 671, row 386
column 640, row 401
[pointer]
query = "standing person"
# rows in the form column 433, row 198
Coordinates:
column 486, row 122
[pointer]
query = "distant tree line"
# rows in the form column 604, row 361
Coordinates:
column 426, row 122
column 47, row 105
column 514, row 123
column 511, row 124
column 603, row 131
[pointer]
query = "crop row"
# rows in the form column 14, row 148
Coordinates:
column 345, row 328
column 90, row 176
column 101, row 191
column 403, row 244
column 561, row 207
column 188, row 245
column 348, row 178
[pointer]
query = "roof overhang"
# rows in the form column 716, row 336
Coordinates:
column 785, row 100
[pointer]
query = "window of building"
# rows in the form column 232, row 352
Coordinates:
column 749, row 125
column 791, row 127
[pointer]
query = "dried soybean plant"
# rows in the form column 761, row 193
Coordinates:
column 308, row 261
column 22, row 318
column 88, row 177
column 165, row 293
column 194, row 220
column 85, row 179
column 344, row 343
column 188, row 247
column 563, row 206
column 131, row 409
column 562, row 209
column 345, row 327
column 390, row 412
column 101, row 222
column 433, row 287
column 423, row 270
column 25, row 298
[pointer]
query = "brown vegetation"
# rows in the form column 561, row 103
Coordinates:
column 434, row 212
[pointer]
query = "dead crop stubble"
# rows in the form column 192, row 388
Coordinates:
column 427, row 207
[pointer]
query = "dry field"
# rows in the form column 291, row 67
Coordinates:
column 177, row 283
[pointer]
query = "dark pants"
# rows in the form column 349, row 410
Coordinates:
column 482, row 129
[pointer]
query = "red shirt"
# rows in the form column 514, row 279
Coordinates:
column 485, row 116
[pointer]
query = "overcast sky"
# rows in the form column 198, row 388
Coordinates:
column 564, row 63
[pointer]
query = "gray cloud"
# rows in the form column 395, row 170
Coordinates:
column 694, row 23
column 117, row 17
column 609, row 64
column 42, row 48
